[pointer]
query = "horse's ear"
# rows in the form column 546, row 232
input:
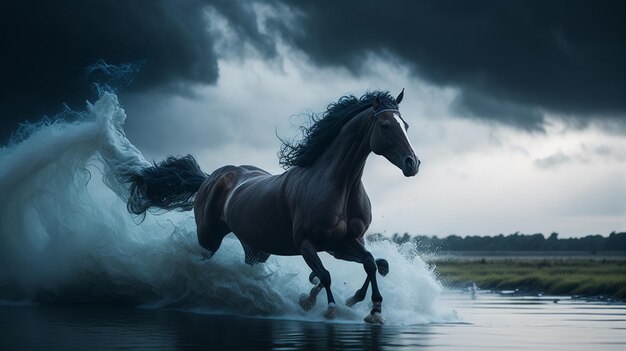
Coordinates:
column 399, row 98
column 376, row 103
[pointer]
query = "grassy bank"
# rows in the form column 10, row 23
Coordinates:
column 582, row 277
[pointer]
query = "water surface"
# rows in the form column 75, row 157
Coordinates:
column 488, row 322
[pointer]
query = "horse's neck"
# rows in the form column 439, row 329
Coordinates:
column 345, row 159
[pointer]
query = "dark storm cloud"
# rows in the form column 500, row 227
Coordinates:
column 509, row 58
column 481, row 105
column 46, row 47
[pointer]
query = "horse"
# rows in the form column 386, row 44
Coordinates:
column 318, row 204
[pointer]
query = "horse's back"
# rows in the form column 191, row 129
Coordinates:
column 212, row 194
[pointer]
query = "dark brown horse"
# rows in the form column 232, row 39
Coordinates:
column 318, row 204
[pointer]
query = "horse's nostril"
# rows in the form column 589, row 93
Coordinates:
column 409, row 163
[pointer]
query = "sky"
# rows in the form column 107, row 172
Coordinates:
column 517, row 110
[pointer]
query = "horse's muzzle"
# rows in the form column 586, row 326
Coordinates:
column 411, row 166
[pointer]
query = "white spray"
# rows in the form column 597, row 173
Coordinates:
column 65, row 235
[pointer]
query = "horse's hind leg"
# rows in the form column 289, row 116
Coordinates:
column 253, row 256
column 308, row 301
column 208, row 208
column 211, row 238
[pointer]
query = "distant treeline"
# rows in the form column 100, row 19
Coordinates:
column 512, row 242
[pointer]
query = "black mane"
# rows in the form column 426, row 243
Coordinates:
column 324, row 129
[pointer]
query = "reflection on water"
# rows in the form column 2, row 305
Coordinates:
column 491, row 322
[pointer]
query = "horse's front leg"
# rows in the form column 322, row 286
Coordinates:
column 354, row 251
column 309, row 253
column 359, row 295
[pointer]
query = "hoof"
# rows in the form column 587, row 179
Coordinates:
column 352, row 301
column 307, row 302
column 374, row 318
column 330, row 311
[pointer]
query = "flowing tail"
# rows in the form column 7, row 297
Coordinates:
column 170, row 185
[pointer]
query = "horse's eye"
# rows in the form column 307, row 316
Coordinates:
column 384, row 126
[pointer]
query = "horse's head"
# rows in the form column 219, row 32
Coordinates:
column 389, row 137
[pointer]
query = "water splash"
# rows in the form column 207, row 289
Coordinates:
column 66, row 236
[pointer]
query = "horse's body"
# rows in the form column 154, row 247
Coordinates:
column 326, row 201
column 317, row 205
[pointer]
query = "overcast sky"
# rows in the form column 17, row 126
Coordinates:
column 517, row 109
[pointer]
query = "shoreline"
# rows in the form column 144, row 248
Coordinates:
column 523, row 255
column 559, row 276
